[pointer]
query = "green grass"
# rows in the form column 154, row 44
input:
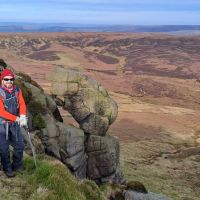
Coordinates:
column 53, row 181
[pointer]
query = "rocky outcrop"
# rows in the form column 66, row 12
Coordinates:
column 87, row 101
column 103, row 159
column 94, row 110
column 49, row 133
column 72, row 149
column 88, row 151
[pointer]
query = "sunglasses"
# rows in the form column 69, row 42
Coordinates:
column 8, row 79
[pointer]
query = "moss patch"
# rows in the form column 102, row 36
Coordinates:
column 38, row 122
column 36, row 108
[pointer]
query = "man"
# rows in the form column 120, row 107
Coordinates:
column 12, row 117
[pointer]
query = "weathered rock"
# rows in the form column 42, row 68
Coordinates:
column 37, row 94
column 44, row 135
column 77, row 106
column 65, row 89
column 95, row 125
column 103, row 158
column 49, row 135
column 87, row 101
column 66, row 143
column 52, row 147
column 123, row 194
column 51, row 127
column 51, row 104
column 131, row 195
column 116, row 177
column 61, row 76
column 72, row 149
column 52, row 107
column 90, row 105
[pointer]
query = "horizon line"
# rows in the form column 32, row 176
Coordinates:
column 89, row 24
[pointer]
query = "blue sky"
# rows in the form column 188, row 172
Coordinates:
column 113, row 12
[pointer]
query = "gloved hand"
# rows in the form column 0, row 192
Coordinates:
column 22, row 120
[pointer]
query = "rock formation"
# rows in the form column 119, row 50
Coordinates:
column 90, row 105
column 87, row 101
column 88, row 151
column 65, row 142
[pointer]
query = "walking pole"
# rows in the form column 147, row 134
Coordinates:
column 31, row 145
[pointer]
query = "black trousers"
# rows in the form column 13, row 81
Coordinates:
column 15, row 139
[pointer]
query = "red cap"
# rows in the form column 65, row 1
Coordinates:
column 7, row 72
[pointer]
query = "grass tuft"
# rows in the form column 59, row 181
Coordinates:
column 53, row 181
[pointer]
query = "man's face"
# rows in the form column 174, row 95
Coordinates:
column 8, row 81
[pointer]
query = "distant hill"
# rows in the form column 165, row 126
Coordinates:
column 63, row 27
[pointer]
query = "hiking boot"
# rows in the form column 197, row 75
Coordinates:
column 9, row 174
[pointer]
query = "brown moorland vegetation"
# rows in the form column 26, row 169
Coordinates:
column 155, row 79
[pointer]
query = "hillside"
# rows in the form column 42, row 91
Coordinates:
column 51, row 180
column 155, row 80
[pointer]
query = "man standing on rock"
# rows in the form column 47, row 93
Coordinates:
column 12, row 117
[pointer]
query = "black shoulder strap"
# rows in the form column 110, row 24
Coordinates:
column 2, row 94
column 17, row 89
